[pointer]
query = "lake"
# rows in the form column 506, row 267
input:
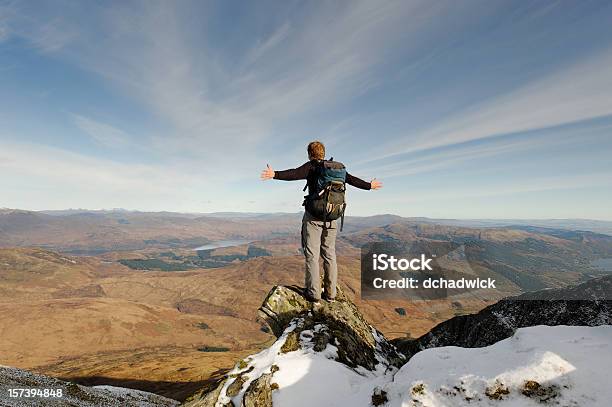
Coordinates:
column 603, row 264
column 223, row 243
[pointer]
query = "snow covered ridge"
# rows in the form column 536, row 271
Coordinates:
column 309, row 366
column 561, row 366
column 585, row 304
column 327, row 355
column 542, row 365
column 71, row 394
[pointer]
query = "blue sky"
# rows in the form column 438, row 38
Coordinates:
column 471, row 109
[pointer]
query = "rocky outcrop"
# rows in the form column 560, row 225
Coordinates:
column 71, row 394
column 587, row 304
column 359, row 344
column 334, row 330
column 259, row 392
column 207, row 396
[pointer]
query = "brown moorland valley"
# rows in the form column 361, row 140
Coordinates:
column 94, row 320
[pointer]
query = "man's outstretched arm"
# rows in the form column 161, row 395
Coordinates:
column 286, row 175
column 361, row 184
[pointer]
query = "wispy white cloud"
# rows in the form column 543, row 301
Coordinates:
column 318, row 60
column 43, row 177
column 262, row 47
column 5, row 15
column 459, row 155
column 64, row 167
column 3, row 32
column 512, row 187
column 544, row 197
column 46, row 35
column 580, row 92
column 214, row 106
column 54, row 35
column 102, row 133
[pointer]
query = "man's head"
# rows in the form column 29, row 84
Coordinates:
column 316, row 151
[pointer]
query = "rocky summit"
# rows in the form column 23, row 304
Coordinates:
column 359, row 344
column 336, row 331
column 327, row 354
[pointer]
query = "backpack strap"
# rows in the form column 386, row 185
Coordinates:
column 319, row 164
column 325, row 211
column 342, row 216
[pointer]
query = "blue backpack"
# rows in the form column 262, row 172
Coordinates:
column 327, row 202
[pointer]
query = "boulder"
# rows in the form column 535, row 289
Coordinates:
column 207, row 396
column 359, row 344
column 336, row 330
column 259, row 392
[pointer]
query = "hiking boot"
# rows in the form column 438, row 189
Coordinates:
column 312, row 299
column 330, row 300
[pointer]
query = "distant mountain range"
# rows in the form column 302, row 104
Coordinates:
column 94, row 232
column 89, row 232
column 521, row 257
column 593, row 225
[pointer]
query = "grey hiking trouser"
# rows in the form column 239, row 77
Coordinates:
column 319, row 237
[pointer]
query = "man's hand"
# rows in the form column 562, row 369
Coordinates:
column 267, row 173
column 375, row 184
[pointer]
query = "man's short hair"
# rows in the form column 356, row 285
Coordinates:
column 316, row 150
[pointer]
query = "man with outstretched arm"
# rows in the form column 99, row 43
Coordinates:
column 318, row 233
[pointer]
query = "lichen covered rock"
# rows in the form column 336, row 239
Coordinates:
column 358, row 343
column 259, row 392
column 335, row 331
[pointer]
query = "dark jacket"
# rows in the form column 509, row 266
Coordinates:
column 307, row 172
